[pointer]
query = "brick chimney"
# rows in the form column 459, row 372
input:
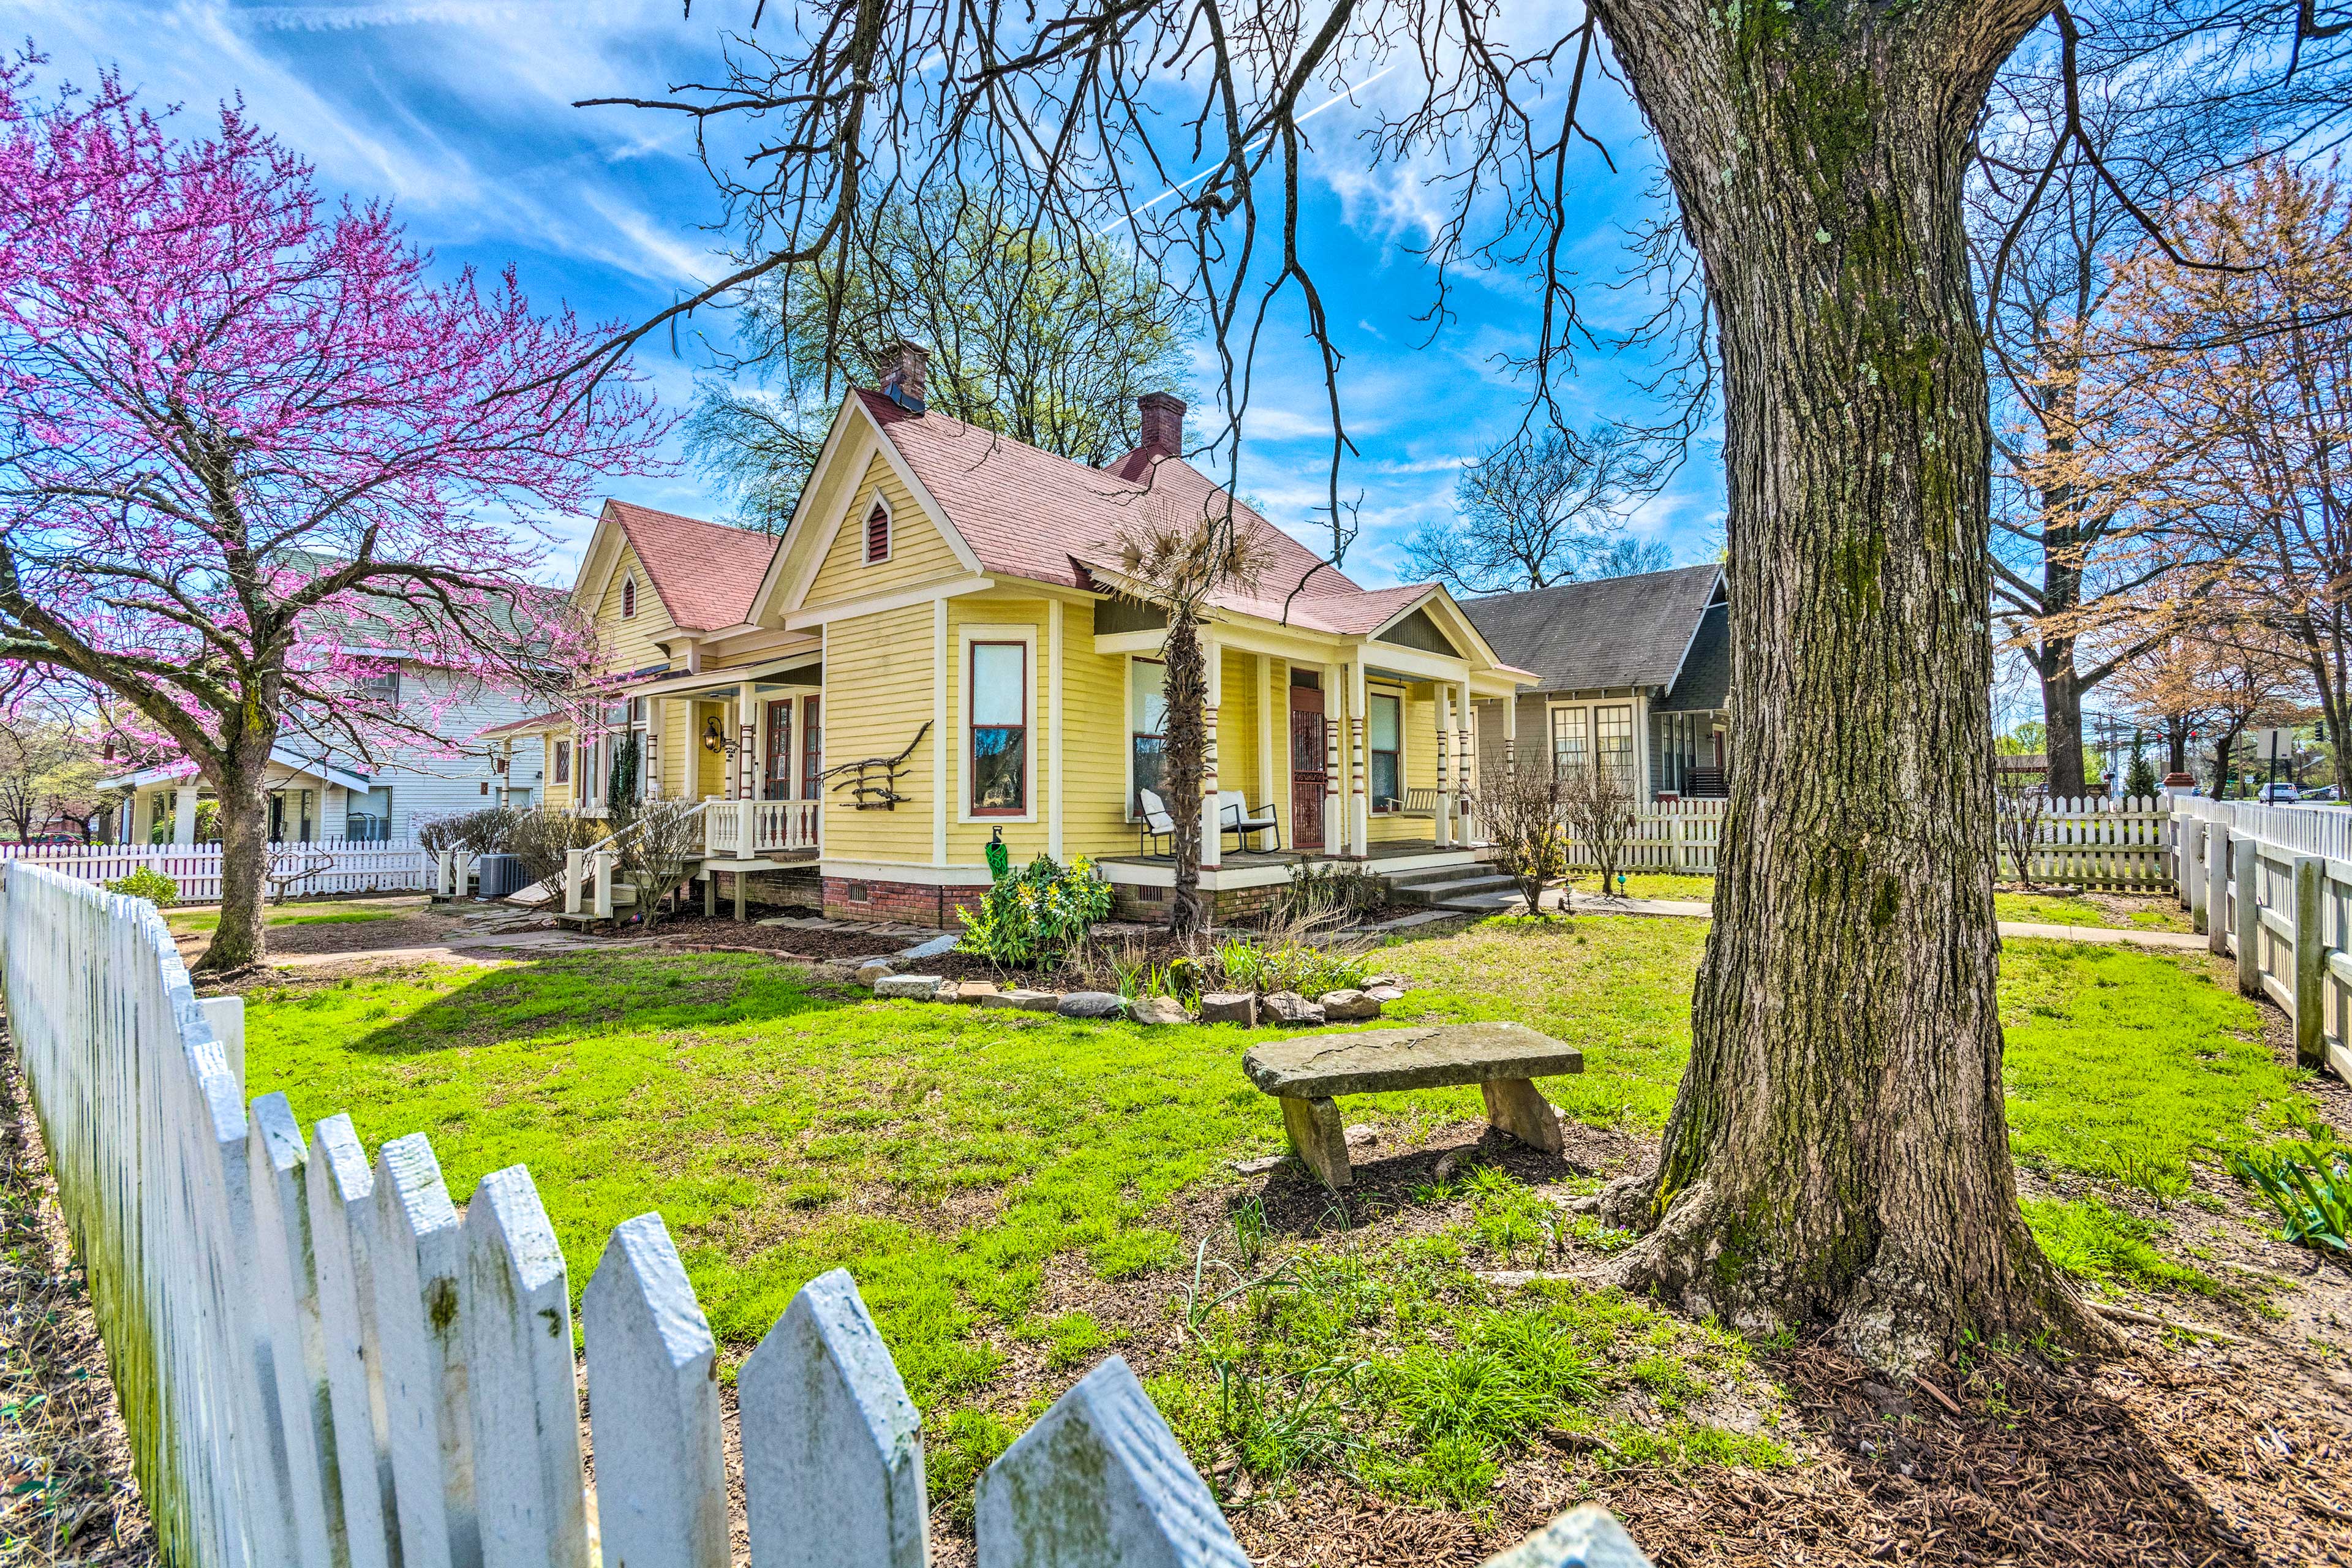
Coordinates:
column 902, row 369
column 1161, row 417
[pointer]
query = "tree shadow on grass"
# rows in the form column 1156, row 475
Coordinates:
column 575, row 995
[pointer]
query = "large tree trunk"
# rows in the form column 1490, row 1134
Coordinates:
column 1838, row 1151
column 2062, row 716
column 1186, row 696
column 240, row 775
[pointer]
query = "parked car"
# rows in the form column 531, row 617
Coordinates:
column 2324, row 793
column 2278, row 794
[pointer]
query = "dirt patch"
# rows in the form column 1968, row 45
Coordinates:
column 65, row 1491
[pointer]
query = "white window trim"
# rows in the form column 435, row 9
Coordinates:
column 889, row 531
column 628, row 595
column 1127, row 706
column 1402, row 695
column 966, row 635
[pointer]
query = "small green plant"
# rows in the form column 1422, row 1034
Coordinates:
column 1034, row 917
column 2311, row 1188
column 146, row 883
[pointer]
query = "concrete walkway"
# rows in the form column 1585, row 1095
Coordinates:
column 1684, row 908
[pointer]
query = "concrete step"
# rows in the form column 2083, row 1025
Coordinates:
column 1456, row 887
column 1430, row 876
column 1503, row 900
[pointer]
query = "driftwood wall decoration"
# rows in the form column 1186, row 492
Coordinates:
column 873, row 782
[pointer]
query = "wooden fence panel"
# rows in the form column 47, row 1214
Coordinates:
column 321, row 1365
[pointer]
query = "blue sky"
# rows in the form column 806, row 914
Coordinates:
column 460, row 114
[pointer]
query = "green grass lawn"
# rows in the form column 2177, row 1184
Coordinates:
column 2045, row 909
column 318, row 914
column 974, row 1168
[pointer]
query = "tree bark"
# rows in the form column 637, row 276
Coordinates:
column 2061, row 717
column 1186, row 695
column 1838, row 1151
column 240, row 774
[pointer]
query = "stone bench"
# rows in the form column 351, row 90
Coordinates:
column 1308, row 1072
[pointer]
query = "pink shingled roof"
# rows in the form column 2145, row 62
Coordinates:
column 1028, row 513
column 706, row 572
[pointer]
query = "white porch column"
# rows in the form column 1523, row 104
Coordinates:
column 1442, row 704
column 1334, row 760
column 939, row 781
column 748, row 772
column 1265, row 734
column 506, row 774
column 1465, row 770
column 1359, row 807
column 652, row 762
column 1211, row 841
column 184, row 815
column 1511, row 737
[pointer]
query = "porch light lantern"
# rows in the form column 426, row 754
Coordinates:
column 713, row 739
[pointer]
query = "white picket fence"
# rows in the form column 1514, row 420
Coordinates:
column 2272, row 886
column 323, row 1362
column 330, row 866
column 2091, row 843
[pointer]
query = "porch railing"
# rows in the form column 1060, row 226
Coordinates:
column 740, row 829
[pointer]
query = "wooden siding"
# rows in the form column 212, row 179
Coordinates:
column 1419, row 738
column 878, row 693
column 918, row 552
column 631, row 644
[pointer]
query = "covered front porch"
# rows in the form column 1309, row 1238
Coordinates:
column 308, row 801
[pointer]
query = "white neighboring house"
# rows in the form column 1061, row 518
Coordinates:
column 317, row 798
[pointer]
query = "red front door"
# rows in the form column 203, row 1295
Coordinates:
column 1308, row 767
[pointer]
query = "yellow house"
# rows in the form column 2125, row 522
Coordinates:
column 938, row 651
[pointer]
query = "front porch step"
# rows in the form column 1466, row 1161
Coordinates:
column 1458, row 890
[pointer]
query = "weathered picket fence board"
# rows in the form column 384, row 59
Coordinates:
column 338, row 865
column 2271, row 886
column 320, row 1362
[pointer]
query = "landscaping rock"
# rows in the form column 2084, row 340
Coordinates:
column 948, row 991
column 1383, row 994
column 975, row 991
column 870, row 969
column 915, row 987
column 939, row 946
column 1026, row 1001
column 1347, row 1006
column 1159, row 1010
column 1258, row 1166
column 1289, row 1008
column 1392, row 982
column 1230, row 1008
column 1362, row 1135
column 1092, row 1004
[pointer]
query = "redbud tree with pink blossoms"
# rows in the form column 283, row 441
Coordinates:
column 250, row 449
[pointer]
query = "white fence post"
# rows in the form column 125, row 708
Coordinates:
column 833, row 1449
column 530, row 1485
column 1100, row 1480
column 653, row 1406
column 288, row 1304
column 572, row 860
column 2218, row 928
column 419, row 1316
column 2310, row 961
column 2246, row 912
column 342, row 1231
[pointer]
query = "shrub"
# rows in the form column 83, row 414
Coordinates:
column 1522, row 811
column 1034, row 918
column 540, row 838
column 1347, row 891
column 146, row 883
column 489, row 831
column 664, row 840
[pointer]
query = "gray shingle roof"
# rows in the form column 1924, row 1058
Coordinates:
column 1585, row 636
column 1704, row 683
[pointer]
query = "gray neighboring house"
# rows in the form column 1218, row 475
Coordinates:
column 1637, row 670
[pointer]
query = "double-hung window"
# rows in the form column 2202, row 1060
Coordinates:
column 1384, row 740
column 811, row 750
column 1612, row 734
column 563, row 762
column 1572, row 739
column 1146, row 716
column 998, row 766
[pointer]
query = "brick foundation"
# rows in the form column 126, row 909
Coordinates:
column 1129, row 903
column 910, row 903
column 790, row 888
